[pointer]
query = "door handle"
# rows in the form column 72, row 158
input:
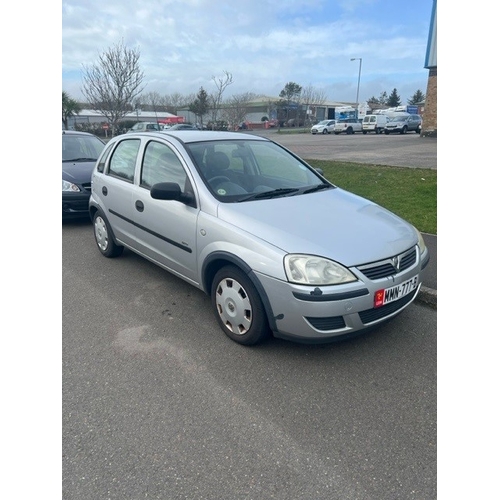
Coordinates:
column 139, row 205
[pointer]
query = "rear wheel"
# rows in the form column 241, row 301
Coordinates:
column 104, row 237
column 238, row 307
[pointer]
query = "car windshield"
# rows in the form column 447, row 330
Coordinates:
column 323, row 122
column 81, row 148
column 243, row 170
column 395, row 119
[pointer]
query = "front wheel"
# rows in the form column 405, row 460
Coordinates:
column 325, row 131
column 238, row 307
column 404, row 130
column 104, row 238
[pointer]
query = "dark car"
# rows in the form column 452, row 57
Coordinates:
column 80, row 151
column 183, row 126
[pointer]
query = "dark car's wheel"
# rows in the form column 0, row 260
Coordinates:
column 104, row 237
column 238, row 307
column 404, row 130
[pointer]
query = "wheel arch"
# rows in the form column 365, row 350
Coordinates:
column 93, row 209
column 217, row 260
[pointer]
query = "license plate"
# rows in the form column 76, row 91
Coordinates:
column 388, row 295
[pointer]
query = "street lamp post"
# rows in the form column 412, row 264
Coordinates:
column 360, row 59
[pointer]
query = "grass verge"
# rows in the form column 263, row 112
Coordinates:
column 410, row 193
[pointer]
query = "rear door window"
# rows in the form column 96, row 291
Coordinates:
column 122, row 163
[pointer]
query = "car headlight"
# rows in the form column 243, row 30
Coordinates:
column 69, row 186
column 421, row 243
column 313, row 270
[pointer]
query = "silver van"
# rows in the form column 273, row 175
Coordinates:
column 277, row 247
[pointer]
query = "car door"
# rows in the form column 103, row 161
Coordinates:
column 165, row 229
column 115, row 188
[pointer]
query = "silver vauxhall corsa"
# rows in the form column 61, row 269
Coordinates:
column 276, row 246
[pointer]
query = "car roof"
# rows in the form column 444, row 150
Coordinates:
column 76, row 132
column 188, row 136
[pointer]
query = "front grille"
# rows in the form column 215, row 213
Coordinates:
column 386, row 268
column 374, row 314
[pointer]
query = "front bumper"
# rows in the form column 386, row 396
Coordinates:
column 328, row 313
column 75, row 205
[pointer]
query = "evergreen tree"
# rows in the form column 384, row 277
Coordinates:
column 417, row 97
column 383, row 98
column 200, row 105
column 394, row 99
column 70, row 108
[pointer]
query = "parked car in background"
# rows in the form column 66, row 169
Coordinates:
column 347, row 126
column 146, row 127
column 295, row 122
column 236, row 215
column 403, row 124
column 80, row 151
column 183, row 126
column 374, row 123
column 323, row 127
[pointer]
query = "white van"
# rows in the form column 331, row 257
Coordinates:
column 374, row 123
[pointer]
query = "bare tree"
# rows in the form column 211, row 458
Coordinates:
column 175, row 101
column 236, row 108
column 154, row 101
column 111, row 85
column 221, row 84
column 310, row 98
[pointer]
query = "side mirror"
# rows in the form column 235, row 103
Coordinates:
column 171, row 191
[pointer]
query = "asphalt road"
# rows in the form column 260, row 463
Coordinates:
column 409, row 150
column 158, row 403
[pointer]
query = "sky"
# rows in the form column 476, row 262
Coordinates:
column 264, row 44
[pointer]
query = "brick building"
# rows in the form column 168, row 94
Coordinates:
column 429, row 125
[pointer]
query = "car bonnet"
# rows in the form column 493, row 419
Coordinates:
column 335, row 224
column 77, row 172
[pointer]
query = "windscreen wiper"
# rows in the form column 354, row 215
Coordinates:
column 270, row 194
column 82, row 159
column 319, row 187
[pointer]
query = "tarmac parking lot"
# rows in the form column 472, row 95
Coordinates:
column 409, row 150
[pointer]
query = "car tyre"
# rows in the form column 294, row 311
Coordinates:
column 349, row 131
column 404, row 130
column 104, row 237
column 238, row 307
column 387, row 132
column 325, row 131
